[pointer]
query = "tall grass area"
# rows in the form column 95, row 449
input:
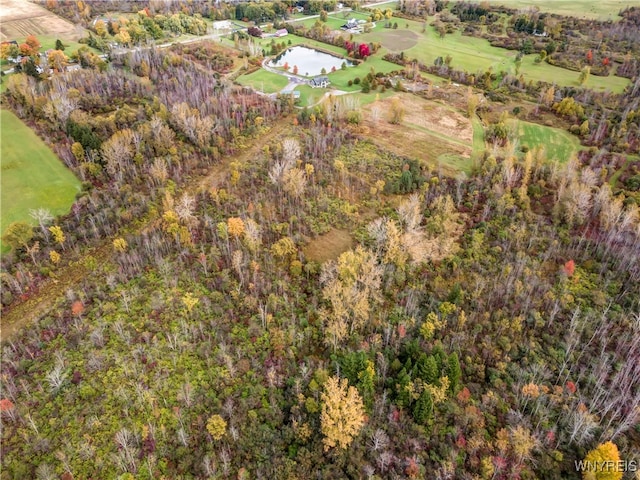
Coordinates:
column 32, row 176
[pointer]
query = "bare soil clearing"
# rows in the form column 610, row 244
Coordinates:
column 19, row 18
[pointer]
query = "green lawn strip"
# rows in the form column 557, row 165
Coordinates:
column 367, row 98
column 264, row 81
column 309, row 96
column 32, row 176
column 48, row 42
column 558, row 144
column 618, row 173
column 478, row 137
column 454, row 163
column 548, row 73
column 383, row 6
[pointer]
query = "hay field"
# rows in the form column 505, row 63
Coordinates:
column 19, row 18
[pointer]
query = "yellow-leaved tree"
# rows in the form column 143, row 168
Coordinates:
column 216, row 426
column 342, row 415
column 601, row 463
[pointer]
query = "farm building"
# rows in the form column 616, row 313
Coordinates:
column 282, row 32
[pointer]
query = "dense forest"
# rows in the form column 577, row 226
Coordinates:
column 478, row 327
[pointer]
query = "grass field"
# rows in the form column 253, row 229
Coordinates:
column 477, row 55
column 264, row 81
column 596, row 9
column 558, row 144
column 32, row 176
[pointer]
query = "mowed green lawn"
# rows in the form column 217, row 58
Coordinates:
column 476, row 55
column 32, row 176
column 596, row 9
column 558, row 144
column 264, row 81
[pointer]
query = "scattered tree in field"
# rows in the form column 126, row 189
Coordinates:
column 59, row 45
column 396, row 112
column 584, row 75
column 601, row 463
column 34, row 43
column 342, row 415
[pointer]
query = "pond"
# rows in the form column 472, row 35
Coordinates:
column 309, row 61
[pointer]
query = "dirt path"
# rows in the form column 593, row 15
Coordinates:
column 71, row 275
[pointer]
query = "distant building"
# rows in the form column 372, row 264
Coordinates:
column 222, row 25
column 319, row 82
column 352, row 23
column 282, row 32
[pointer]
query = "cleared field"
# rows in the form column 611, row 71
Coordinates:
column 558, row 144
column 596, row 9
column 264, row 81
column 19, row 18
column 429, row 132
column 32, row 176
column 476, row 55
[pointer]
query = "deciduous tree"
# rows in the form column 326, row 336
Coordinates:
column 342, row 415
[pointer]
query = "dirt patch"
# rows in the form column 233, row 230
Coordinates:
column 19, row 18
column 427, row 131
column 398, row 40
column 328, row 246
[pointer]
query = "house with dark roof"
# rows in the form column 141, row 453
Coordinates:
column 319, row 82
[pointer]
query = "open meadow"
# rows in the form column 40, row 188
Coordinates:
column 32, row 176
column 477, row 55
column 598, row 10
column 428, row 131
